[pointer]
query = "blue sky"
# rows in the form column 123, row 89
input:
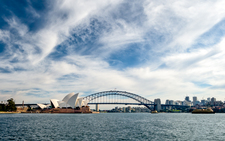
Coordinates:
column 157, row 49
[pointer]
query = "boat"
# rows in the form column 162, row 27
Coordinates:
column 203, row 111
column 154, row 112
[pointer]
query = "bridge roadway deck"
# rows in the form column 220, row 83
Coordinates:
column 121, row 103
column 33, row 104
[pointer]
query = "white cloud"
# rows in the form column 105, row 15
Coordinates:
column 4, row 36
column 183, row 21
column 15, row 24
column 179, row 22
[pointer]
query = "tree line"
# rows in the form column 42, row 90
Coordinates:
column 10, row 106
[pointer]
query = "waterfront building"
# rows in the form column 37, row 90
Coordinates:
column 54, row 103
column 208, row 99
column 71, row 100
column 124, row 109
column 187, row 103
column 129, row 109
column 187, row 99
column 78, row 102
column 218, row 103
column 197, row 103
column 194, row 100
column 43, row 106
column 180, row 102
column 171, row 102
column 167, row 102
column 203, row 102
column 213, row 100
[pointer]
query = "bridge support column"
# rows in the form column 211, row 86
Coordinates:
column 157, row 104
column 97, row 108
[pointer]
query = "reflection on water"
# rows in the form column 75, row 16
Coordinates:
column 115, row 126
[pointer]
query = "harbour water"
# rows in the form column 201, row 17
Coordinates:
column 113, row 126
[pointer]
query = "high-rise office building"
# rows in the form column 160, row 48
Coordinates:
column 208, row 99
column 194, row 100
column 187, row 98
column 171, row 102
column 213, row 100
column 203, row 102
column 167, row 102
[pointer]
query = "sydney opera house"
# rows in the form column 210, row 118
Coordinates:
column 71, row 103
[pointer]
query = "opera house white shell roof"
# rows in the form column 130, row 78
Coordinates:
column 54, row 103
column 43, row 106
column 79, row 102
column 70, row 100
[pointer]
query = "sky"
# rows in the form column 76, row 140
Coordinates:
column 156, row 49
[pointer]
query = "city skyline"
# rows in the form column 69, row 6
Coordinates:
column 156, row 49
column 125, row 100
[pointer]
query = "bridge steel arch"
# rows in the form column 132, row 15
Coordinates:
column 140, row 99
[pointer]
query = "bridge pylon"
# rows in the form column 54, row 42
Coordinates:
column 157, row 105
column 97, row 107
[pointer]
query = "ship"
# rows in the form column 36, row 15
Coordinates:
column 154, row 112
column 203, row 111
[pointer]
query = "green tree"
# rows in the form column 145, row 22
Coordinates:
column 11, row 105
column 2, row 107
column 29, row 108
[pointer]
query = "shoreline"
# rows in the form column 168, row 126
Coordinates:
column 10, row 112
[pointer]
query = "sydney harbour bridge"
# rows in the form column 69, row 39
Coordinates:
column 118, row 97
column 124, row 98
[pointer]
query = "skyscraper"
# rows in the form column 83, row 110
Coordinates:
column 203, row 102
column 171, row 102
column 194, row 100
column 208, row 99
column 167, row 102
column 187, row 98
column 213, row 100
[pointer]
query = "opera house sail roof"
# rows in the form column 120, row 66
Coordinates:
column 79, row 102
column 70, row 100
column 43, row 106
column 54, row 103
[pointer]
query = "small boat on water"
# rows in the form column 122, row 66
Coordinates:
column 154, row 112
column 203, row 111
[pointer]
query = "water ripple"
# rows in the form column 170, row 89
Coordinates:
column 112, row 127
